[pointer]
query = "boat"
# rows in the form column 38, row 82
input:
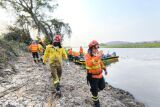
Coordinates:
column 111, row 59
column 106, row 60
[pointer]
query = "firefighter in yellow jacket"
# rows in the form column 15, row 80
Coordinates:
column 55, row 53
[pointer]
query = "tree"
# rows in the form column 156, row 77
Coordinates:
column 17, row 34
column 35, row 14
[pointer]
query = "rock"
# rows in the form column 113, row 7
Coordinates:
column 9, row 105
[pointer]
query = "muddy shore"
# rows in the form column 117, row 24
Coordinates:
column 26, row 84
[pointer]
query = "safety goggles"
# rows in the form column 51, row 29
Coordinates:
column 96, row 47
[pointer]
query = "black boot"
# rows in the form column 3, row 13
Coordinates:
column 96, row 103
column 41, row 60
column 58, row 90
column 35, row 61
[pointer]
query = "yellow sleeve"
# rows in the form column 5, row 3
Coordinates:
column 46, row 54
column 40, row 48
column 64, row 54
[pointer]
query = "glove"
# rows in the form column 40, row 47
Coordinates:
column 105, row 70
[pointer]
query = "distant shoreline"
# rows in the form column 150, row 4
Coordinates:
column 132, row 45
column 126, row 45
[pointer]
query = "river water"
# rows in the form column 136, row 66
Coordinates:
column 137, row 71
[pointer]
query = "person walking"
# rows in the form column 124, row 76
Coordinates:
column 94, row 66
column 55, row 53
column 34, row 48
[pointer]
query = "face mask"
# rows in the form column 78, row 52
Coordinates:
column 56, row 44
column 95, row 53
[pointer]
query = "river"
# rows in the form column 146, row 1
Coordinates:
column 138, row 71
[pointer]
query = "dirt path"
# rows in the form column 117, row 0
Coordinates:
column 31, row 87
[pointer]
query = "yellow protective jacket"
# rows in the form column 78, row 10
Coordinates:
column 40, row 48
column 52, row 53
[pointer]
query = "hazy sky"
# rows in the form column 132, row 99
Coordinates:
column 110, row 20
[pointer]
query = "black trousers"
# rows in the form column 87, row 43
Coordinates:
column 96, row 85
column 70, row 57
column 35, row 55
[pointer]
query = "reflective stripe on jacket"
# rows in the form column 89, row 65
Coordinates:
column 33, row 48
column 94, row 66
column 54, row 55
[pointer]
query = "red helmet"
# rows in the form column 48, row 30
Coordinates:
column 57, row 38
column 93, row 43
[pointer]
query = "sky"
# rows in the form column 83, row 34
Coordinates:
column 109, row 20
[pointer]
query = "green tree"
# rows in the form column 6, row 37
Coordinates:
column 35, row 14
column 17, row 34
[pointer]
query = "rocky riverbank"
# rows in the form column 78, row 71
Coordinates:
column 26, row 84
